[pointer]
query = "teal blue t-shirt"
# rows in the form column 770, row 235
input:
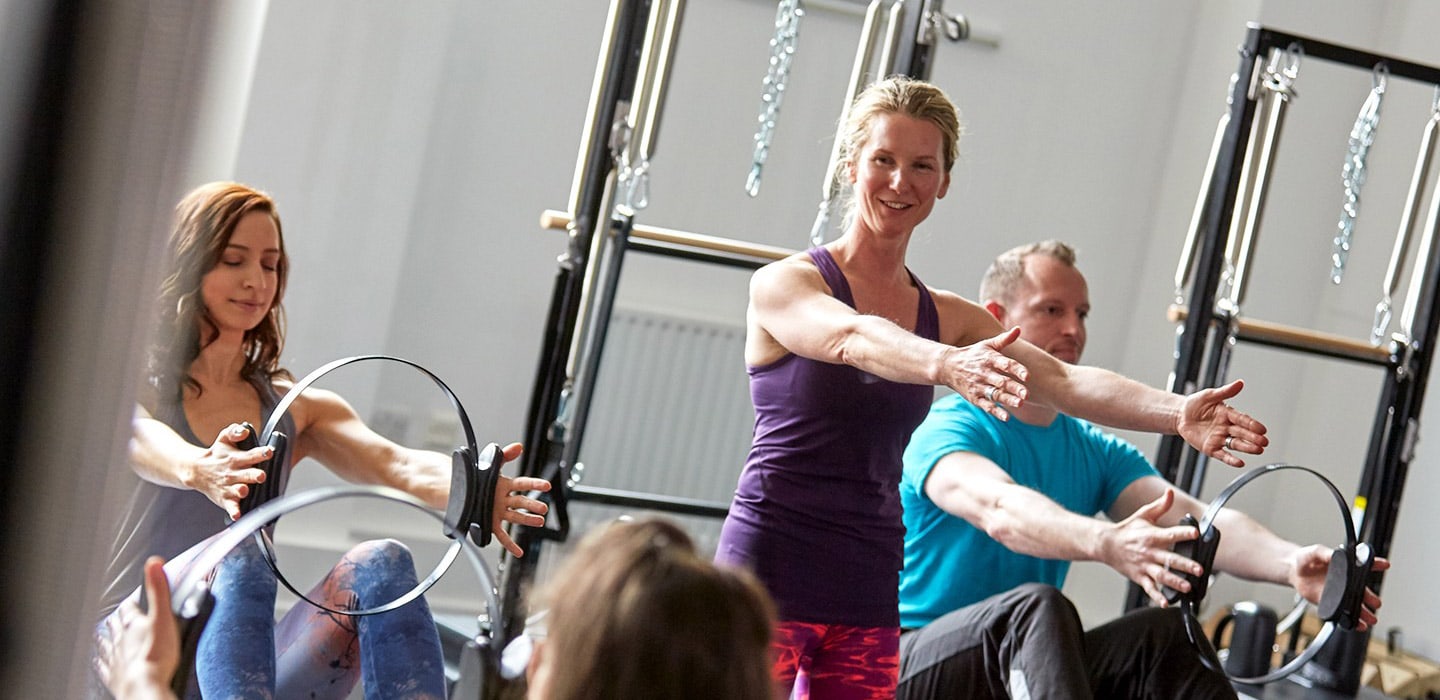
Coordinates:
column 949, row 563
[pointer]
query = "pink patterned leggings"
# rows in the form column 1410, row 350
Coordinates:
column 836, row 662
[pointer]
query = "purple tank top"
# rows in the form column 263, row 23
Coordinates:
column 816, row 514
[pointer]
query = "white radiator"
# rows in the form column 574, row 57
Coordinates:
column 671, row 416
column 671, row 412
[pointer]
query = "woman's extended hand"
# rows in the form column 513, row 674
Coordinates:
column 512, row 505
column 986, row 377
column 1214, row 428
column 224, row 473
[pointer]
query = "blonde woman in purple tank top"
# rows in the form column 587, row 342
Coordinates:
column 843, row 347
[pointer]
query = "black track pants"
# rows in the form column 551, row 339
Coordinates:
column 1028, row 643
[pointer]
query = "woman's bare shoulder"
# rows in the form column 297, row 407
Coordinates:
column 962, row 321
column 312, row 404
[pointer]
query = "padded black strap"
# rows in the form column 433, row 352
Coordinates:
column 1202, row 551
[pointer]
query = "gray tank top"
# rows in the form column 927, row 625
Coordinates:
column 167, row 521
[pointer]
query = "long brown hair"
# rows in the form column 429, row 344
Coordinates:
column 204, row 221
column 636, row 612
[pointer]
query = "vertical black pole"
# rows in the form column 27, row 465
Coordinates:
column 1383, row 484
column 1220, row 207
column 1221, row 202
column 913, row 57
column 620, row 227
column 544, row 444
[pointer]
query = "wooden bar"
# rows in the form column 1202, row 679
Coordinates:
column 1281, row 335
column 552, row 219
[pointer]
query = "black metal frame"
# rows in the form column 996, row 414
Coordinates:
column 545, row 445
column 1206, row 333
column 914, row 58
column 551, row 449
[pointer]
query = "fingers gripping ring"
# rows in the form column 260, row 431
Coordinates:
column 990, row 393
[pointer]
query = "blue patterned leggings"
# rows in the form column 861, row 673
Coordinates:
column 310, row 653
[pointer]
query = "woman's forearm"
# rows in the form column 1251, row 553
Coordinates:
column 158, row 454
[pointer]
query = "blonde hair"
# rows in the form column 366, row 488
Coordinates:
column 903, row 95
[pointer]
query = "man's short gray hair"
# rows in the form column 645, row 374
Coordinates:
column 1008, row 268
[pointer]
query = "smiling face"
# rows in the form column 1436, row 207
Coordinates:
column 240, row 289
column 898, row 173
column 1050, row 304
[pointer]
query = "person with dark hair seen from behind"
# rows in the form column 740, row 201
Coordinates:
column 635, row 612
column 995, row 512
column 213, row 365
column 843, row 347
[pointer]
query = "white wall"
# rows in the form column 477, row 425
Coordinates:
column 412, row 148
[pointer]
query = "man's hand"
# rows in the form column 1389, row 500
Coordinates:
column 1141, row 549
column 1308, row 567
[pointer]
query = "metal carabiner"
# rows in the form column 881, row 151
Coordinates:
column 1294, row 52
column 637, row 196
column 956, row 27
column 1284, row 68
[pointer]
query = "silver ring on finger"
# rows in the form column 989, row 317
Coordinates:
column 990, row 394
column 1228, row 439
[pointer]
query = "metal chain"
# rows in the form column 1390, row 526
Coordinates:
column 1362, row 135
column 782, row 52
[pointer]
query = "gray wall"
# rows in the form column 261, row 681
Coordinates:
column 412, row 147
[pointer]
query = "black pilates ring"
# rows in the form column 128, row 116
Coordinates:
column 191, row 600
column 1351, row 549
column 474, row 478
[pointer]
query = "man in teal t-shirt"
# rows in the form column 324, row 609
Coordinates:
column 995, row 511
column 1098, row 467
